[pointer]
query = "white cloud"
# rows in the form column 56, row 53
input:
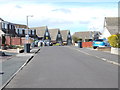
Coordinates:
column 73, row 18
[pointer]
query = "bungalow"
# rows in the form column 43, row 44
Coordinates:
column 47, row 37
column 66, row 37
column 42, row 33
column 110, row 27
column 55, row 35
column 87, row 35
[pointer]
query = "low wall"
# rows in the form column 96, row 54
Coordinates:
column 76, row 44
column 87, row 44
column 115, row 51
column 8, row 40
column 104, row 48
column 16, row 40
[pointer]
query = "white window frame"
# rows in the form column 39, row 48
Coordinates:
column 3, row 25
column 33, row 32
column 46, row 34
column 6, row 26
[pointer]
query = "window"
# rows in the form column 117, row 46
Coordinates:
column 20, row 31
column 26, row 31
column 23, row 31
column 69, row 36
column 17, row 31
column 59, row 35
column 29, row 32
column 3, row 25
column 33, row 32
column 46, row 34
column 6, row 25
column 10, row 26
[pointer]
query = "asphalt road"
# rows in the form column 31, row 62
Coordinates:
column 65, row 67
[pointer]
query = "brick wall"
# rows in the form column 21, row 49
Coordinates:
column 87, row 44
column 16, row 40
column 8, row 40
column 23, row 41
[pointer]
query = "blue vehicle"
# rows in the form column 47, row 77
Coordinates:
column 100, row 43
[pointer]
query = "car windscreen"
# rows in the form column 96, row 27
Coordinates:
column 99, row 40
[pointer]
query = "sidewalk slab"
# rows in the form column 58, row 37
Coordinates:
column 11, row 66
column 102, row 54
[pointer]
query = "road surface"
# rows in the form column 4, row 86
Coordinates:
column 65, row 67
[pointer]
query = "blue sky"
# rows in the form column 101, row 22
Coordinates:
column 72, row 15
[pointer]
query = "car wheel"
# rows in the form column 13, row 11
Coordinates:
column 94, row 47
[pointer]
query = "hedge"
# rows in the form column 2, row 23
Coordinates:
column 114, row 40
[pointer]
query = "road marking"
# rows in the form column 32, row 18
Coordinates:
column 103, row 59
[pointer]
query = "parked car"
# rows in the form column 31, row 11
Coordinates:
column 100, row 43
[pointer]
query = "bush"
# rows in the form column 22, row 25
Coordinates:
column 57, row 44
column 14, row 46
column 114, row 40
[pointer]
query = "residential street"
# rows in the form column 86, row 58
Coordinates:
column 67, row 67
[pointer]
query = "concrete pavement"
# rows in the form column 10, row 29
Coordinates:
column 62, row 67
column 103, row 55
column 11, row 66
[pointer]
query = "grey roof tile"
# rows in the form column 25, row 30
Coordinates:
column 53, row 33
column 64, row 34
column 112, row 24
column 40, row 31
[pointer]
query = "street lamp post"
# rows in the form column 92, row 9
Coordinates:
column 27, row 23
column 27, row 45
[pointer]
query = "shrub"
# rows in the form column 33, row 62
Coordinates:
column 57, row 44
column 14, row 46
column 114, row 40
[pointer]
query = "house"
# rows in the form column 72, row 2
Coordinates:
column 22, row 30
column 87, row 35
column 66, row 37
column 40, row 32
column 55, row 35
column 110, row 27
column 47, row 37
column 21, row 26
column 1, row 32
column 7, row 28
column 83, row 35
